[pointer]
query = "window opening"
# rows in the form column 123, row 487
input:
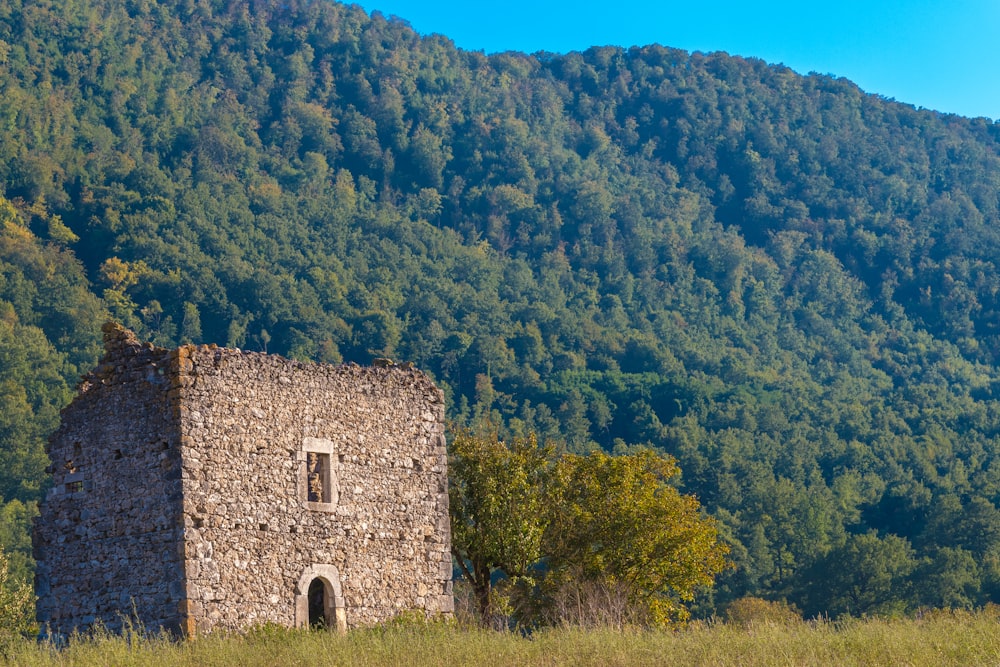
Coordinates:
column 74, row 487
column 317, row 484
column 318, row 477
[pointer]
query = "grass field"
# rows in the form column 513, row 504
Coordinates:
column 942, row 638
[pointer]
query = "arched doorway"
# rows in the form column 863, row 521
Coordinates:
column 319, row 602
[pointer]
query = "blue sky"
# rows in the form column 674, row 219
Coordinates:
column 935, row 54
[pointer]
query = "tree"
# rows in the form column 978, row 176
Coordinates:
column 608, row 525
column 617, row 521
column 191, row 324
column 949, row 579
column 496, row 508
column 17, row 605
column 867, row 575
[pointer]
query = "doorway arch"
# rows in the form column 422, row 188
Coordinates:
column 319, row 600
column 319, row 604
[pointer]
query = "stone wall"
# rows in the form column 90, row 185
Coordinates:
column 108, row 540
column 249, row 423
column 204, row 488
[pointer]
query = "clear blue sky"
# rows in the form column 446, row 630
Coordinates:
column 938, row 54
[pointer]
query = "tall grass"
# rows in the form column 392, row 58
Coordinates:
column 943, row 638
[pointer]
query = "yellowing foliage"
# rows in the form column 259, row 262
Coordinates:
column 618, row 521
column 602, row 525
column 120, row 275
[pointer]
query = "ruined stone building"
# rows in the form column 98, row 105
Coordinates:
column 205, row 488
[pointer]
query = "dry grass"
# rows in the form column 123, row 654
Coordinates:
column 944, row 638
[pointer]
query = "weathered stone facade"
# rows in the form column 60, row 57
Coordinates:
column 203, row 488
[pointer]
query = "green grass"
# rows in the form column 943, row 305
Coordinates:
column 945, row 638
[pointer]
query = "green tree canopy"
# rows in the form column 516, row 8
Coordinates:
column 598, row 519
column 617, row 520
column 789, row 285
column 496, row 501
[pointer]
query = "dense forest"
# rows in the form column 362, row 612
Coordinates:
column 789, row 285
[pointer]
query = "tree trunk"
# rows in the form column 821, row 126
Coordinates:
column 481, row 586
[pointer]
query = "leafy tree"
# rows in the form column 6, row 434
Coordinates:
column 950, row 579
column 497, row 518
column 617, row 520
column 868, row 575
column 191, row 325
column 16, row 518
column 17, row 605
column 613, row 523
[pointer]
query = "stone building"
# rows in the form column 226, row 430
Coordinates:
column 208, row 488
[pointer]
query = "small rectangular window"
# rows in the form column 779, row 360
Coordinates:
column 318, row 483
column 74, row 483
column 318, row 477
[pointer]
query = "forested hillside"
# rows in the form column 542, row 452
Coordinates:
column 789, row 285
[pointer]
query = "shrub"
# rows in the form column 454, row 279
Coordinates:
column 748, row 612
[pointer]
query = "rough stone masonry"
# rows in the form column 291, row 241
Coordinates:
column 206, row 488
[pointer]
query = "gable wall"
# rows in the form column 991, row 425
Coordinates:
column 107, row 539
column 250, row 534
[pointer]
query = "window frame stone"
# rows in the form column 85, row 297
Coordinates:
column 331, row 490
